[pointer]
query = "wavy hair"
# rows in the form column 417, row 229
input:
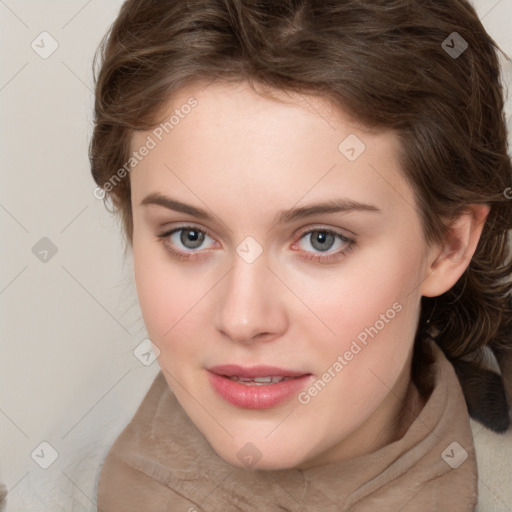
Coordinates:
column 390, row 64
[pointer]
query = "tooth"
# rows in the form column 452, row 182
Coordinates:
column 262, row 379
column 258, row 381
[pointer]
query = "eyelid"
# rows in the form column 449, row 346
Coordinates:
column 185, row 225
column 322, row 227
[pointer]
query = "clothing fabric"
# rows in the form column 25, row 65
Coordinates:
column 162, row 462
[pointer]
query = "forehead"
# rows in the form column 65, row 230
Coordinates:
column 229, row 141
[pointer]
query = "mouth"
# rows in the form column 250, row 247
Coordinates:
column 258, row 387
column 255, row 372
column 258, row 381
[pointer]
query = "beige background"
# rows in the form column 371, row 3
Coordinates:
column 69, row 326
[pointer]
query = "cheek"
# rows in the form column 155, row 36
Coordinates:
column 371, row 309
column 165, row 296
column 365, row 296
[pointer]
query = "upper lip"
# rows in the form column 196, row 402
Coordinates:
column 232, row 370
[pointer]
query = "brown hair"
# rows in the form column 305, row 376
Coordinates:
column 390, row 64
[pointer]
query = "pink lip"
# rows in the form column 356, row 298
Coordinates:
column 256, row 397
column 231, row 370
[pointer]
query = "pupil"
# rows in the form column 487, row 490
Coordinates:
column 322, row 241
column 191, row 238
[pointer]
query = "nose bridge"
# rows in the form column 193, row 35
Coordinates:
column 250, row 304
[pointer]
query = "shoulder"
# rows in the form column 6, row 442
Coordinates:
column 494, row 461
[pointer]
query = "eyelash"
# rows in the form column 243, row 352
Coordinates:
column 328, row 258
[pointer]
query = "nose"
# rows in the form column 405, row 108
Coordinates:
column 251, row 305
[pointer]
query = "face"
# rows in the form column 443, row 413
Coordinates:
column 278, row 239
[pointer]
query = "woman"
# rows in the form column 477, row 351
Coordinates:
column 315, row 194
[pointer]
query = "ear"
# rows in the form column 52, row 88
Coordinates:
column 449, row 259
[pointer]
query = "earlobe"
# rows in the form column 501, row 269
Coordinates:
column 449, row 260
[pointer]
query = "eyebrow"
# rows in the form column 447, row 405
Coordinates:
column 283, row 217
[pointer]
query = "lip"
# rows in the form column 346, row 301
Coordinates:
column 231, row 370
column 256, row 396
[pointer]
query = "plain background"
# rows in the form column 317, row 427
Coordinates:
column 69, row 325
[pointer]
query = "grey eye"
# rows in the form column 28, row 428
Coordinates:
column 322, row 240
column 191, row 236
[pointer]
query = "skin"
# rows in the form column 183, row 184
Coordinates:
column 244, row 158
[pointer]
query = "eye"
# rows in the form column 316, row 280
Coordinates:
column 189, row 237
column 323, row 240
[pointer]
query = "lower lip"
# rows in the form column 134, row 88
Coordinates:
column 257, row 396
